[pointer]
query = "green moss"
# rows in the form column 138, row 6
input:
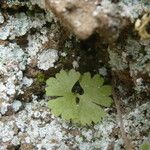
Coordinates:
column 41, row 77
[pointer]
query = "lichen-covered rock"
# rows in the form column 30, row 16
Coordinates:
column 12, row 64
column 133, row 56
column 47, row 59
column 20, row 46
column 35, row 126
column 34, row 46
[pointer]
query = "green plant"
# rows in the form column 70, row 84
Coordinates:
column 145, row 146
column 40, row 77
column 82, row 107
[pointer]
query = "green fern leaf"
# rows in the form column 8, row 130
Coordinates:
column 88, row 109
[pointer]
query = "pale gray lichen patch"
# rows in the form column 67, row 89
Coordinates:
column 38, row 20
column 47, row 59
column 133, row 48
column 35, row 44
column 32, row 123
column 40, row 3
column 12, row 63
column 50, row 16
column 116, row 62
column 126, row 8
column 16, row 2
column 140, row 86
column 16, row 26
column 132, row 8
column 6, row 131
column 4, row 107
column 16, row 105
column 20, row 24
column 36, row 49
column 102, row 71
column 142, row 62
column 14, row 58
column 27, row 81
column 37, row 126
column 104, row 130
column 137, row 124
column 106, row 7
column 28, row 3
column 135, row 56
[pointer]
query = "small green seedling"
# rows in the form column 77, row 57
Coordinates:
column 81, row 107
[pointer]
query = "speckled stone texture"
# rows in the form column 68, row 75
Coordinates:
column 35, row 44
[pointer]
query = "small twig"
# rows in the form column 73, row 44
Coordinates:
column 128, row 145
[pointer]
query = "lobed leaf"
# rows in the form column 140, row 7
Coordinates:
column 62, row 84
column 88, row 109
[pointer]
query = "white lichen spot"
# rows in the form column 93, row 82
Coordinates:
column 20, row 25
column 15, row 141
column 16, row 105
column 40, row 3
column 37, row 114
column 27, row 81
column 87, row 134
column 75, row 64
column 27, row 139
column 47, row 59
column 63, row 54
column 4, row 107
column 6, row 131
column 13, row 59
column 10, row 88
column 116, row 62
column 103, row 71
column 16, row 26
column 35, row 44
column 2, row 87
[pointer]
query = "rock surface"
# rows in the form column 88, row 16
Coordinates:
column 86, row 17
column 35, row 45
